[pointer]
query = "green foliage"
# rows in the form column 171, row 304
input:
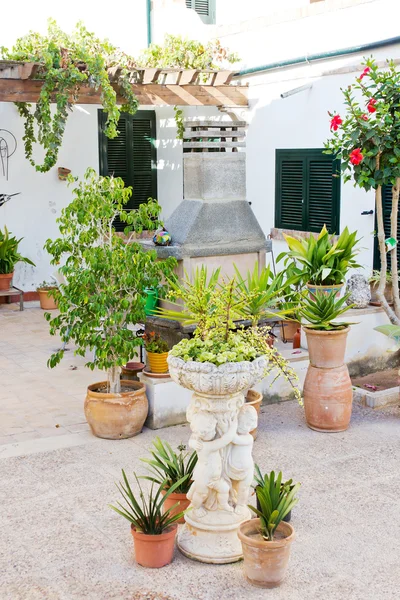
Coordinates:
column 146, row 217
column 276, row 500
column 324, row 261
column 153, row 342
column 179, row 123
column 167, row 467
column 66, row 62
column 9, row 255
column 177, row 51
column 372, row 125
column 376, row 276
column 321, row 309
column 105, row 276
column 46, row 285
column 392, row 331
column 147, row 515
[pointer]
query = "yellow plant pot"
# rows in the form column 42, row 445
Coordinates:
column 158, row 362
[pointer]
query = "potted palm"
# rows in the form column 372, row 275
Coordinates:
column 166, row 468
column 328, row 393
column 153, row 527
column 102, row 299
column 9, row 257
column 46, row 298
column 266, row 540
column 324, row 260
column 157, row 352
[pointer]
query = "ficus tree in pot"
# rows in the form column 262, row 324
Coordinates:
column 367, row 140
column 105, row 277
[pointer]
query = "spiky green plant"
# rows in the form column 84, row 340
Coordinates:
column 9, row 255
column 170, row 467
column 275, row 501
column 319, row 310
column 147, row 516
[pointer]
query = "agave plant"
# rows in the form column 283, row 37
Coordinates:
column 147, row 515
column 320, row 310
column 275, row 501
column 167, row 467
column 9, row 255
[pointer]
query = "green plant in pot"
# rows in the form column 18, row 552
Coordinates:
column 324, row 260
column 167, row 467
column 286, row 486
column 328, row 393
column 157, row 352
column 266, row 540
column 374, row 282
column 153, row 525
column 46, row 298
column 102, row 299
column 9, row 257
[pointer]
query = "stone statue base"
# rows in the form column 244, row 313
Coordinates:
column 214, row 540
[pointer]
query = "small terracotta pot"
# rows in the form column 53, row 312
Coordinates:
column 172, row 500
column 388, row 293
column 289, row 330
column 158, row 362
column 6, row 280
column 326, row 349
column 326, row 289
column 254, row 398
column 116, row 416
column 265, row 563
column 131, row 370
column 46, row 302
column 154, row 551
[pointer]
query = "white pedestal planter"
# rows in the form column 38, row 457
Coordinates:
column 221, row 424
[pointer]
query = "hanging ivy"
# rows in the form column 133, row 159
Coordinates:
column 66, row 62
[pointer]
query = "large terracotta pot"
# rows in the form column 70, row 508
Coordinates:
column 326, row 289
column 183, row 504
column 116, row 416
column 289, row 329
column 46, row 302
column 265, row 563
column 254, row 398
column 326, row 349
column 328, row 392
column 154, row 551
column 5, row 280
column 158, row 362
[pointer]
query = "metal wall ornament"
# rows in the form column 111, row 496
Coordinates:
column 8, row 146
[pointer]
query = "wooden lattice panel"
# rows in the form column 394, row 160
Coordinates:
column 214, row 136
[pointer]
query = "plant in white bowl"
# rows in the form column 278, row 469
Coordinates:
column 219, row 364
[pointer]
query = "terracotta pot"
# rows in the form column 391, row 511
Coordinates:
column 116, row 416
column 5, row 280
column 326, row 349
column 154, row 551
column 254, row 398
column 158, row 362
column 326, row 289
column 328, row 398
column 46, row 302
column 265, row 563
column 289, row 330
column 131, row 370
column 173, row 499
column 388, row 293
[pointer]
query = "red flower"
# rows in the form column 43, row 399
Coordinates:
column 356, row 157
column 336, row 122
column 364, row 73
column 371, row 105
column 364, row 117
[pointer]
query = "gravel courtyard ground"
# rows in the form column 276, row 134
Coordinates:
column 60, row 541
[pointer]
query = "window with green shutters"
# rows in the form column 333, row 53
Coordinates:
column 131, row 155
column 307, row 190
column 204, row 8
column 387, row 209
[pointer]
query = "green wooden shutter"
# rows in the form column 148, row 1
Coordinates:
column 387, row 209
column 307, row 194
column 204, row 8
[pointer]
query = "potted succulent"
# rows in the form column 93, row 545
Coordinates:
column 9, row 257
column 286, row 488
column 102, row 299
column 327, row 392
column 166, row 468
column 46, row 298
column 266, row 540
column 153, row 527
column 374, row 284
column 325, row 260
column 157, row 352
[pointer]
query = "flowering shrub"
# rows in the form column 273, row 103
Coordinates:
column 153, row 342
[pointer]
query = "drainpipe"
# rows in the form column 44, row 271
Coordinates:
column 321, row 56
column 148, row 18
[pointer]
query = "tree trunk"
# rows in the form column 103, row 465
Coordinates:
column 382, row 250
column 393, row 253
column 114, row 380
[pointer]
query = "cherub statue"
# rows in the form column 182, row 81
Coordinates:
column 207, row 474
column 239, row 460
